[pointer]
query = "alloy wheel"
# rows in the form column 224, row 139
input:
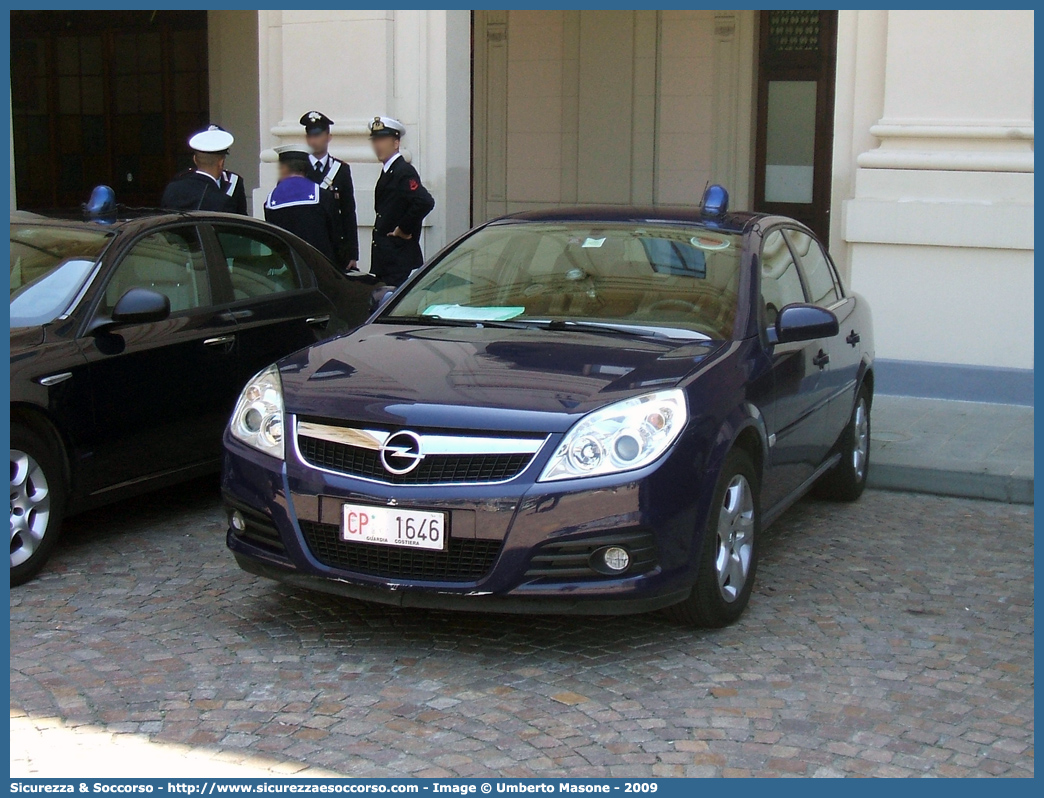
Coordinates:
column 30, row 506
column 861, row 445
column 735, row 538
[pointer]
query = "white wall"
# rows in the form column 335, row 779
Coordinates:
column 412, row 65
column 234, row 101
column 933, row 181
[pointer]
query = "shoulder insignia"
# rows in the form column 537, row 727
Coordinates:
column 414, row 185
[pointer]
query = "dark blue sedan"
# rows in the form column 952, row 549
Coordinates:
column 573, row 411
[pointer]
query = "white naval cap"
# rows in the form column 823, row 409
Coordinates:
column 213, row 139
column 386, row 126
column 293, row 152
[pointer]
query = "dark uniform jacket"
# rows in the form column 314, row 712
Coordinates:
column 232, row 185
column 337, row 178
column 400, row 201
column 309, row 212
column 195, row 191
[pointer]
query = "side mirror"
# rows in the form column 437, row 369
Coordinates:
column 800, row 322
column 380, row 296
column 141, row 306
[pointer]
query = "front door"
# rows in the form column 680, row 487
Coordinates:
column 163, row 390
column 796, row 445
column 795, row 116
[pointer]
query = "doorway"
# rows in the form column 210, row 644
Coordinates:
column 614, row 107
column 104, row 97
column 797, row 55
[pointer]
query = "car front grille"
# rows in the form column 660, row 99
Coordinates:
column 466, row 560
column 432, row 470
column 569, row 560
column 446, row 459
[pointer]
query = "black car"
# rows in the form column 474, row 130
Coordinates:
column 130, row 342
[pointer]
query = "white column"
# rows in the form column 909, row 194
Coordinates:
column 355, row 65
column 939, row 227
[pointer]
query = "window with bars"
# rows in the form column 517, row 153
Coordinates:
column 793, row 31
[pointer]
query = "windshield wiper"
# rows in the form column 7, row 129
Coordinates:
column 448, row 321
column 632, row 331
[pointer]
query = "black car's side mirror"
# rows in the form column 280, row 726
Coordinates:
column 141, row 306
column 801, row 322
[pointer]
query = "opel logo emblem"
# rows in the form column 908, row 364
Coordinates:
column 401, row 452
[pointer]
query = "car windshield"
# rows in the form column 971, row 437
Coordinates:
column 658, row 278
column 48, row 268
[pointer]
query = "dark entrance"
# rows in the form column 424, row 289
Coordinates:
column 104, row 97
column 797, row 55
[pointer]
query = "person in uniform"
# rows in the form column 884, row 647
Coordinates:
column 401, row 203
column 336, row 176
column 208, row 186
column 301, row 206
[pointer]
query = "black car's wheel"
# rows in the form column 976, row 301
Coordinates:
column 846, row 481
column 729, row 558
column 37, row 502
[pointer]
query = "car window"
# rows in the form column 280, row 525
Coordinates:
column 669, row 277
column 168, row 261
column 780, row 280
column 259, row 264
column 819, row 277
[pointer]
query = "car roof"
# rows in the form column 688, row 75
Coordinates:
column 136, row 219
column 731, row 222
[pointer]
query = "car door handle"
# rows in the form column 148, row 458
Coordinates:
column 318, row 321
column 219, row 340
column 852, row 339
column 821, row 359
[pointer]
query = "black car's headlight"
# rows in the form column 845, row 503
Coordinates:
column 621, row 437
column 257, row 420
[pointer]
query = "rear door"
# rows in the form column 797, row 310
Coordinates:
column 162, row 391
column 277, row 305
column 843, row 350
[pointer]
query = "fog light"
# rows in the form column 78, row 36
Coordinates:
column 238, row 521
column 616, row 558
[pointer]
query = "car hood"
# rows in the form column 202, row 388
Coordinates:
column 479, row 378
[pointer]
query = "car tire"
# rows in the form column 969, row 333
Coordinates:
column 846, row 481
column 729, row 551
column 37, row 501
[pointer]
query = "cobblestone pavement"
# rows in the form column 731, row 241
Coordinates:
column 892, row 637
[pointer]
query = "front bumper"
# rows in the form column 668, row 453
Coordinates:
column 515, row 547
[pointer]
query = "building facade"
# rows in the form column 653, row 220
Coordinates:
column 905, row 138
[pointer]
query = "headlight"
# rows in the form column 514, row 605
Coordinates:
column 257, row 420
column 620, row 437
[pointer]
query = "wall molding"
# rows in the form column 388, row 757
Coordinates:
column 954, row 381
column 951, row 129
column 950, row 161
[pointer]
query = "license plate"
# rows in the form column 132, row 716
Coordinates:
column 392, row 526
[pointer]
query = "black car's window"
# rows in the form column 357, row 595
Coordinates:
column 48, row 268
column 656, row 275
column 169, row 261
column 780, row 280
column 819, row 277
column 259, row 264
